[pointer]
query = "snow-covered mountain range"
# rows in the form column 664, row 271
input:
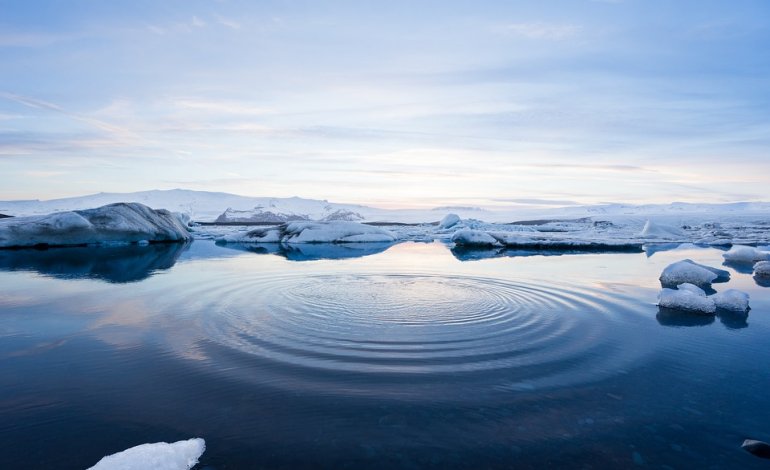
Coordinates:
column 206, row 206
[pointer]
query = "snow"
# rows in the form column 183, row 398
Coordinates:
column 762, row 269
column 449, row 220
column 733, row 300
column 746, row 254
column 688, row 271
column 687, row 297
column 314, row 232
column 658, row 230
column 469, row 237
column 180, row 455
column 112, row 224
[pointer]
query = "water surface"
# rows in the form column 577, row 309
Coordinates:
column 374, row 356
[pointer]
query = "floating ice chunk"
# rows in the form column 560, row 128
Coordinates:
column 657, row 230
column 335, row 232
column 733, row 300
column 468, row 237
column 111, row 224
column 314, row 232
column 693, row 273
column 745, row 254
column 762, row 269
column 687, row 297
column 180, row 455
column 449, row 220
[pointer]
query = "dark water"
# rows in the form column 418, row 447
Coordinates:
column 406, row 356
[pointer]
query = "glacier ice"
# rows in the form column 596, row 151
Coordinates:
column 110, row 224
column 658, row 230
column 687, row 297
column 314, row 232
column 745, row 254
column 762, row 269
column 688, row 271
column 733, row 300
column 449, row 220
column 181, row 455
column 469, row 237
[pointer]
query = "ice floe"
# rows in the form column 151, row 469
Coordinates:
column 119, row 223
column 181, row 455
column 746, row 254
column 762, row 269
column 733, row 300
column 688, row 271
column 314, row 232
column 687, row 297
column 653, row 229
column 449, row 220
column 469, row 237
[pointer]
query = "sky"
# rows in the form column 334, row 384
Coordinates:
column 397, row 104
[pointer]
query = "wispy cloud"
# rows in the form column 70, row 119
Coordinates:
column 228, row 22
column 541, row 30
column 45, row 105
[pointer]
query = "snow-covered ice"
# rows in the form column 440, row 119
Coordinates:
column 314, row 232
column 111, row 224
column 746, row 254
column 181, row 455
column 687, row 297
column 449, row 220
column 688, row 271
column 762, row 269
column 733, row 300
column 469, row 237
column 653, row 229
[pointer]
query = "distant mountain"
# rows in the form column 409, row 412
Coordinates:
column 210, row 206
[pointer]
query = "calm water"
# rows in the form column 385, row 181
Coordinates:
column 374, row 356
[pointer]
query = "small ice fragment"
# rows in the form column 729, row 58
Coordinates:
column 689, row 272
column 449, row 220
column 468, row 237
column 745, row 254
column 762, row 269
column 181, row 455
column 687, row 297
column 733, row 300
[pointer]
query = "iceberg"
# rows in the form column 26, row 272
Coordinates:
column 657, row 230
column 762, row 269
column 745, row 254
column 469, row 237
column 732, row 300
column 120, row 223
column 688, row 271
column 449, row 221
column 314, row 232
column 687, row 297
column 180, row 455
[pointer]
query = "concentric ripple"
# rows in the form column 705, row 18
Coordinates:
column 398, row 327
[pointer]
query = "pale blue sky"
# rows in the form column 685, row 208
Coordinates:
column 397, row 104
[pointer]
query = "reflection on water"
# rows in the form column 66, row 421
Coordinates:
column 478, row 253
column 762, row 281
column 313, row 251
column 117, row 264
column 674, row 317
column 741, row 267
column 374, row 356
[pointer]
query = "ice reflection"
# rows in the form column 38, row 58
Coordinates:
column 118, row 264
column 313, row 251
